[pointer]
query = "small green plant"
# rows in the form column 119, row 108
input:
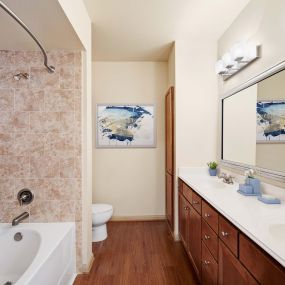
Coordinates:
column 212, row 164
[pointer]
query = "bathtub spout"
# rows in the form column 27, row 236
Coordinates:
column 20, row 218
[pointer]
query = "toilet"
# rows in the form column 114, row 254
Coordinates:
column 101, row 214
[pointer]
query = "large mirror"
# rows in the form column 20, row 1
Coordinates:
column 253, row 124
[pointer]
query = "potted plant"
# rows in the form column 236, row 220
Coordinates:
column 212, row 168
column 250, row 180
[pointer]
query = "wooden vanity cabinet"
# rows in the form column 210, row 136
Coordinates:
column 231, row 271
column 263, row 267
column 184, row 207
column 190, row 228
column 219, row 251
column 209, row 268
column 194, row 239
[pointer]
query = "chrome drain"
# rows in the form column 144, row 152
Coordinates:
column 8, row 283
column 17, row 237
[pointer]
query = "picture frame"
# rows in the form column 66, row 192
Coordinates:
column 125, row 126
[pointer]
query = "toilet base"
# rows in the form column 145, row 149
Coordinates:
column 99, row 233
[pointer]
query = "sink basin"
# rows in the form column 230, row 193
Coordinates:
column 277, row 230
column 214, row 184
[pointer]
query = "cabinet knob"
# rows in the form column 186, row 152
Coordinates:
column 186, row 208
column 207, row 237
column 195, row 202
column 224, row 234
column 207, row 215
column 206, row 262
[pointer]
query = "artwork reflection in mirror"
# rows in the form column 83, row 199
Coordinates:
column 254, row 125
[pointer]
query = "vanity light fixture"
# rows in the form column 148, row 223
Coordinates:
column 239, row 56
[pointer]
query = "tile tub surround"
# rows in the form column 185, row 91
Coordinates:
column 40, row 137
column 264, row 224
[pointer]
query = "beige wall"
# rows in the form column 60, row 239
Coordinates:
column 132, row 180
column 171, row 67
column 196, row 105
column 261, row 22
column 78, row 17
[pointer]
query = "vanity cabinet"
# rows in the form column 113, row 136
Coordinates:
column 266, row 270
column 194, row 239
column 190, row 230
column 184, row 207
column 219, row 251
column 231, row 271
column 209, row 267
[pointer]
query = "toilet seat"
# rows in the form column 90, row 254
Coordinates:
column 101, row 208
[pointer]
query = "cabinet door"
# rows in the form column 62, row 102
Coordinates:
column 231, row 271
column 183, row 220
column 194, row 239
column 169, row 199
column 209, row 270
column 169, row 130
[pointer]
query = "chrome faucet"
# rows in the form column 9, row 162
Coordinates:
column 20, row 218
column 227, row 178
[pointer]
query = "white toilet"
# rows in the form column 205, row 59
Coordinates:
column 101, row 214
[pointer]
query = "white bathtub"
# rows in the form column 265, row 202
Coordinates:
column 44, row 256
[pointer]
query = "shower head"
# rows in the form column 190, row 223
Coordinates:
column 21, row 75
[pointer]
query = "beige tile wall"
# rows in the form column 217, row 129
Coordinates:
column 40, row 137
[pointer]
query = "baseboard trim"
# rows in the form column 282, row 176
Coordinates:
column 86, row 268
column 138, row 218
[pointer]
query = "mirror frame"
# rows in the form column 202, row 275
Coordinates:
column 272, row 174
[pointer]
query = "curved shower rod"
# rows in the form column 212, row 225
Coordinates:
column 50, row 68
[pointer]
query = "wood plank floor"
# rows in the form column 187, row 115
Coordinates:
column 139, row 253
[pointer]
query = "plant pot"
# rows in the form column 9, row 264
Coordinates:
column 213, row 172
column 255, row 183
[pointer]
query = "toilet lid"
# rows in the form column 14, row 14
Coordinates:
column 99, row 208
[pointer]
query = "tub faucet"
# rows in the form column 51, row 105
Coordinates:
column 20, row 218
column 226, row 178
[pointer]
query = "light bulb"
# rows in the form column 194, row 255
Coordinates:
column 227, row 59
column 238, row 51
column 220, row 67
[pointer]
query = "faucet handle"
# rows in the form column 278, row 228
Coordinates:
column 222, row 175
column 25, row 196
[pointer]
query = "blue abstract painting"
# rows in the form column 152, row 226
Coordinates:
column 270, row 121
column 125, row 126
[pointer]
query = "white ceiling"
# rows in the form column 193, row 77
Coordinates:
column 46, row 20
column 143, row 30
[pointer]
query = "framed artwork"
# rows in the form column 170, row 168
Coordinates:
column 125, row 126
column 270, row 117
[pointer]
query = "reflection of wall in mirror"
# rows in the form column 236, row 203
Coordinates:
column 239, row 126
column 271, row 155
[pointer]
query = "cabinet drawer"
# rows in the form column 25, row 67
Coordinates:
column 210, row 239
column 209, row 267
column 210, row 216
column 262, row 267
column 196, row 202
column 187, row 192
column 228, row 233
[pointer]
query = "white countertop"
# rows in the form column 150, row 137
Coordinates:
column 264, row 224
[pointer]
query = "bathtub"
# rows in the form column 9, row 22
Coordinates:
column 42, row 254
